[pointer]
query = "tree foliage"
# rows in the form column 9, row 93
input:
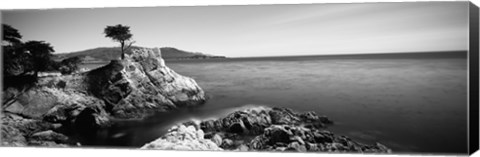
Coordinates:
column 11, row 35
column 69, row 65
column 41, row 53
column 121, row 34
column 22, row 59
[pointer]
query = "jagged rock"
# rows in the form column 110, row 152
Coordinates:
column 11, row 136
column 298, row 139
column 15, row 107
column 283, row 116
column 237, row 127
column 10, row 93
column 20, row 131
column 281, row 129
column 182, row 138
column 278, row 134
column 141, row 84
column 313, row 147
column 255, row 120
column 296, row 147
column 294, row 137
column 259, row 143
column 132, row 88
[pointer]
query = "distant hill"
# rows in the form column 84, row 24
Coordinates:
column 173, row 53
column 105, row 54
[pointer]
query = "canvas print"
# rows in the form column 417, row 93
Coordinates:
column 326, row 78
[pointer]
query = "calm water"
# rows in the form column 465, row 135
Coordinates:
column 410, row 103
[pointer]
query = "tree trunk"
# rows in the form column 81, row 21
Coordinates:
column 123, row 53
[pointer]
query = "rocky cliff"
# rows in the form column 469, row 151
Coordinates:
column 133, row 88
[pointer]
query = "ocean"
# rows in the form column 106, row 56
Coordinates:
column 410, row 102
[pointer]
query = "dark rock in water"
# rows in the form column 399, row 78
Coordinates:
column 254, row 121
column 322, row 137
column 133, row 88
column 280, row 129
column 297, row 140
column 277, row 134
column 237, row 127
column 283, row 116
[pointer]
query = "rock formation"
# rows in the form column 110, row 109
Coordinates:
column 273, row 129
column 183, row 138
column 133, row 88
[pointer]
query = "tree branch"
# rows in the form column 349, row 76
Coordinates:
column 129, row 45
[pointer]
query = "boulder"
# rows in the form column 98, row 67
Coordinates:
column 182, row 138
column 277, row 133
column 259, row 143
column 40, row 138
column 236, row 127
column 227, row 143
column 283, row 116
column 217, row 139
column 242, row 148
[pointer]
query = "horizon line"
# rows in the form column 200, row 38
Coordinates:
column 368, row 53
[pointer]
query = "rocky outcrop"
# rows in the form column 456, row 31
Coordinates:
column 301, row 139
column 133, row 88
column 277, row 129
column 253, row 121
column 183, row 138
column 140, row 84
column 21, row 131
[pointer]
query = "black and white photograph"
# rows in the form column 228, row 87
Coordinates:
column 326, row 78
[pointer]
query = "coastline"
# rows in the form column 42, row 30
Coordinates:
column 261, row 129
column 220, row 144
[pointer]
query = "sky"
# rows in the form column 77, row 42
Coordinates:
column 257, row 30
